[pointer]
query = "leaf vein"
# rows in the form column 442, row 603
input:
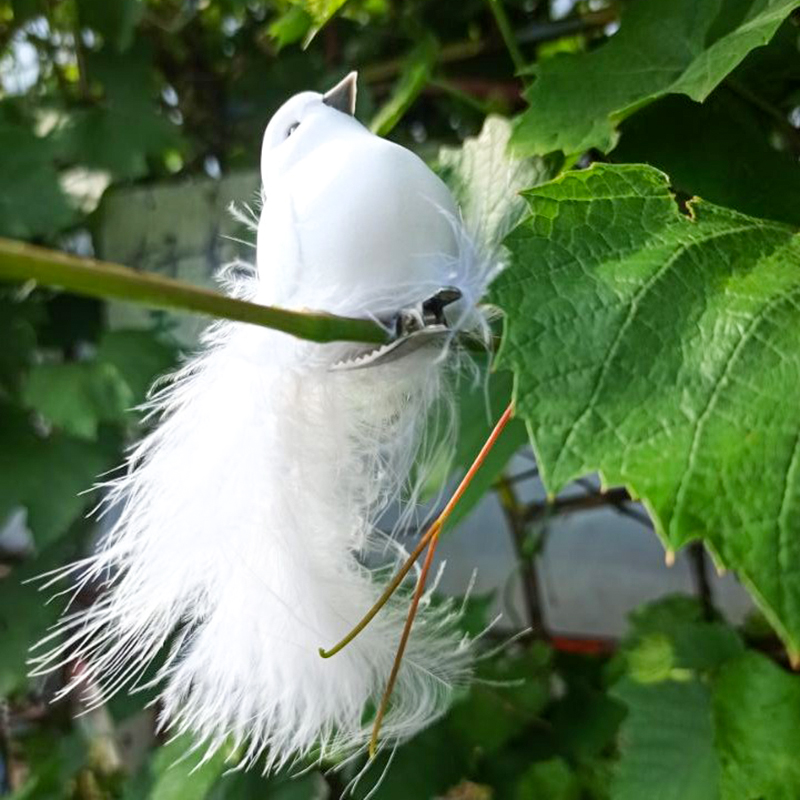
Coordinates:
column 628, row 321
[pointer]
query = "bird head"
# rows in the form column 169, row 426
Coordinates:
column 304, row 122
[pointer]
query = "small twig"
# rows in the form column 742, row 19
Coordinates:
column 420, row 587
column 569, row 505
column 539, row 32
column 387, row 593
column 478, row 92
column 456, row 51
column 518, row 528
column 699, row 564
column 430, row 535
column 80, row 61
column 623, row 508
column 526, row 475
column 450, row 88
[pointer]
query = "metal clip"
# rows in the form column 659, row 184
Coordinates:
column 420, row 325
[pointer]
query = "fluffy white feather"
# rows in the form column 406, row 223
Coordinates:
column 248, row 514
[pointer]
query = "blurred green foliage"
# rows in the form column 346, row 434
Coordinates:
column 102, row 94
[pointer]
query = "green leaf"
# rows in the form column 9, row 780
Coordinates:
column 311, row 786
column 18, row 335
column 552, row 779
column 37, row 206
column 413, row 78
column 117, row 139
column 718, row 150
column 771, row 73
column 756, row 707
column 25, row 615
column 176, row 773
column 78, row 397
column 25, row 9
column 663, row 351
column 734, row 737
column 486, row 180
column 585, row 722
column 47, row 475
column 140, row 356
column 424, row 767
column 481, row 723
column 667, row 743
column 321, row 11
column 53, row 757
column 119, row 134
column 116, row 21
column 517, row 691
column 291, row 26
column 695, row 643
column 663, row 47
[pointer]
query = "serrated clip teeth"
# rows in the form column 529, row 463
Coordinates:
column 417, row 326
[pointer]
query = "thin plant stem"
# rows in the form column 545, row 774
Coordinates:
column 432, row 531
column 401, row 648
column 436, row 529
column 504, row 26
column 699, row 564
column 384, row 598
column 515, row 517
column 24, row 262
column 448, row 87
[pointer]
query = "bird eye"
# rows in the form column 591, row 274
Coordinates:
column 292, row 128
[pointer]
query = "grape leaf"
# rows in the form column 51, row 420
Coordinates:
column 18, row 334
column 728, row 159
column 486, row 180
column 140, row 356
column 47, row 474
column 756, row 707
column 176, row 772
column 25, row 616
column 552, row 779
column 37, row 206
column 662, row 47
column 77, row 397
column 663, row 351
column 694, row 642
column 730, row 736
column 120, row 133
column 667, row 743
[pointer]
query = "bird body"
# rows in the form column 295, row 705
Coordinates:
column 344, row 207
column 247, row 515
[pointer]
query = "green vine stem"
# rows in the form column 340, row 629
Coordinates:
column 507, row 32
column 25, row 262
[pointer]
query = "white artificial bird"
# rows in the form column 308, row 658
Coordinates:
column 345, row 208
column 249, row 511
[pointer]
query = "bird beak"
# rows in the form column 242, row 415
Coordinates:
column 343, row 96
